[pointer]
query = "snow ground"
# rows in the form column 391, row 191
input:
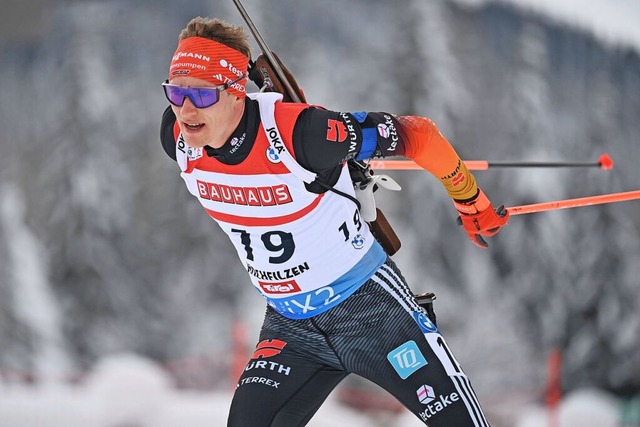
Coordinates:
column 128, row 390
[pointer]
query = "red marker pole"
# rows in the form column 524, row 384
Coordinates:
column 239, row 351
column 554, row 386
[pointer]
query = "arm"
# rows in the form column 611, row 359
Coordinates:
column 424, row 144
column 325, row 139
column 322, row 143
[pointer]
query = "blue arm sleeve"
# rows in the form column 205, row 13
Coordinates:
column 369, row 138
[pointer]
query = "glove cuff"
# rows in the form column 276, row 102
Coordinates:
column 474, row 205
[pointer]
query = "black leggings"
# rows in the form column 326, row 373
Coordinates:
column 379, row 333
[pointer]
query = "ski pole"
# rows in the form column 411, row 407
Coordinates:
column 575, row 203
column 604, row 162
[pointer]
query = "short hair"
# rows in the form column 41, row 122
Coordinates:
column 220, row 31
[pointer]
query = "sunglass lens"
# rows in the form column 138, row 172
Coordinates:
column 200, row 97
column 206, row 97
column 175, row 95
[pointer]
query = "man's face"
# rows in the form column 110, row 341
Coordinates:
column 210, row 126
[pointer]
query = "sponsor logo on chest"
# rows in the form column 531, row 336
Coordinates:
column 274, row 140
column 279, row 288
column 251, row 196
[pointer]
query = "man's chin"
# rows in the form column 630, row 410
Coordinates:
column 194, row 142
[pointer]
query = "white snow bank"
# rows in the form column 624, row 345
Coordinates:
column 582, row 408
column 128, row 390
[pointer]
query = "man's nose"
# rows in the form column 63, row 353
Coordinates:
column 188, row 108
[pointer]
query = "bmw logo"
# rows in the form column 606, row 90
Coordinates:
column 272, row 155
column 424, row 323
column 358, row 241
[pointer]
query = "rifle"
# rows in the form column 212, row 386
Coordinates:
column 270, row 75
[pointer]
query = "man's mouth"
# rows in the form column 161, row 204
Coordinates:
column 193, row 126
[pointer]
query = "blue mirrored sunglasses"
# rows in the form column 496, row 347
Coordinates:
column 200, row 97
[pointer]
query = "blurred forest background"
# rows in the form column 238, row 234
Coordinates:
column 103, row 250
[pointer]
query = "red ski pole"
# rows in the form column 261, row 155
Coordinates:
column 604, row 162
column 575, row 203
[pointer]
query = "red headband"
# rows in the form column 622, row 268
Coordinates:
column 211, row 61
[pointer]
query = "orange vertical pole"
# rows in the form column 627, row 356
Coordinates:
column 239, row 351
column 554, row 386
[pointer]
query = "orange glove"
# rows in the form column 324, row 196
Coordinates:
column 479, row 218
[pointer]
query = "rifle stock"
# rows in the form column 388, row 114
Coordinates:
column 264, row 74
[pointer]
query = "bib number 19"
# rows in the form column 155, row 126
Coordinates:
column 356, row 222
column 274, row 241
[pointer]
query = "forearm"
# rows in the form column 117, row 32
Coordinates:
column 425, row 145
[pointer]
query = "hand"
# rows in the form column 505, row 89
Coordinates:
column 479, row 218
